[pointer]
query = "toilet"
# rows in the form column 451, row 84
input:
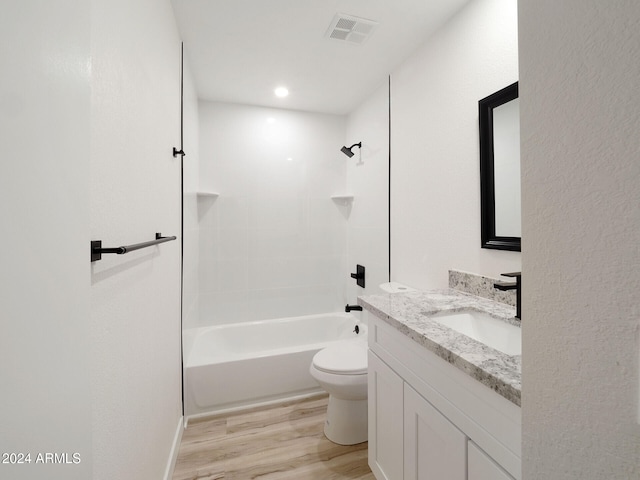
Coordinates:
column 341, row 370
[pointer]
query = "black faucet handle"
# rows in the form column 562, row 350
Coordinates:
column 359, row 275
column 512, row 274
column 509, row 286
column 517, row 286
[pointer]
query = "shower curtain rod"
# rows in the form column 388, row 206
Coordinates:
column 97, row 250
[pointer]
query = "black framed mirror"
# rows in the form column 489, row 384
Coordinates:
column 499, row 119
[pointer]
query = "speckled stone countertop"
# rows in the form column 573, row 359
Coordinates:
column 411, row 313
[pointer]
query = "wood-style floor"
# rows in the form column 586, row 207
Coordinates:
column 280, row 442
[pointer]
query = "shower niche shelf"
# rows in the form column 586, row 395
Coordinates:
column 202, row 194
column 342, row 199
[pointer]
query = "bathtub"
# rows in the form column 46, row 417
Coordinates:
column 235, row 366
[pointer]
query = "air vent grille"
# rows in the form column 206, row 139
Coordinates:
column 339, row 34
column 350, row 29
column 345, row 24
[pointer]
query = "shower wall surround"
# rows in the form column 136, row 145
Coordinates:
column 190, row 199
column 272, row 244
column 368, row 181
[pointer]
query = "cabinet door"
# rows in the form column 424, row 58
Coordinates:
column 481, row 467
column 385, row 420
column 434, row 449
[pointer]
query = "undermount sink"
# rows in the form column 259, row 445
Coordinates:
column 485, row 329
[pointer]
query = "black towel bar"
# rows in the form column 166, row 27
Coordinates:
column 97, row 250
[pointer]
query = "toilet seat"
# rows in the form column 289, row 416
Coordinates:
column 345, row 358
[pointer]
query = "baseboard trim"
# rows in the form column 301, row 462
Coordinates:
column 175, row 449
column 253, row 405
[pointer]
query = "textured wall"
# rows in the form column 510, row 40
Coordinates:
column 135, row 192
column 44, row 210
column 435, row 172
column 580, row 117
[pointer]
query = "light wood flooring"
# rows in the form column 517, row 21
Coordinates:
column 280, row 442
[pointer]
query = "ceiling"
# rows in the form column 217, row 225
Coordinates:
column 240, row 50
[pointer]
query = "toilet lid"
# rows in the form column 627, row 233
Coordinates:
column 348, row 358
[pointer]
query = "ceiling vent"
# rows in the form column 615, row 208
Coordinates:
column 350, row 29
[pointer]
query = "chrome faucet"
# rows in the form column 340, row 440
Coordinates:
column 517, row 286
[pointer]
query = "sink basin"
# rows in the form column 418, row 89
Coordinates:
column 495, row 333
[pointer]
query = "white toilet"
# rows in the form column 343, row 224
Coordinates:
column 341, row 370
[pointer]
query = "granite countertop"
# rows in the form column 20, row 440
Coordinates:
column 411, row 313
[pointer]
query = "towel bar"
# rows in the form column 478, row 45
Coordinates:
column 97, row 250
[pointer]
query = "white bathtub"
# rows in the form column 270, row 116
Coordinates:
column 234, row 366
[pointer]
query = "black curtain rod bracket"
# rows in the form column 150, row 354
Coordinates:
column 97, row 250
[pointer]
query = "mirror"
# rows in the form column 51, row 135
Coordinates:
column 499, row 115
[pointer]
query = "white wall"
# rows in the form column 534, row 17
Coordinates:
column 435, row 179
column 580, row 118
column 44, row 213
column 368, row 181
column 191, row 168
column 135, row 192
column 273, row 244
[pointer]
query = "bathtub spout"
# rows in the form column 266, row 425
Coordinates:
column 348, row 308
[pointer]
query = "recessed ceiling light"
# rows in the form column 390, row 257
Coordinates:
column 281, row 92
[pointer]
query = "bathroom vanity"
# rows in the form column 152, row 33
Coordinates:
column 441, row 404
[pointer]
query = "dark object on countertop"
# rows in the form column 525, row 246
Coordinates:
column 517, row 286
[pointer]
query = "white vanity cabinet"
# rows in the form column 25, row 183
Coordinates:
column 434, row 447
column 481, row 467
column 428, row 420
column 386, row 420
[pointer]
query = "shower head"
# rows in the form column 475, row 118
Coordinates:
column 348, row 151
